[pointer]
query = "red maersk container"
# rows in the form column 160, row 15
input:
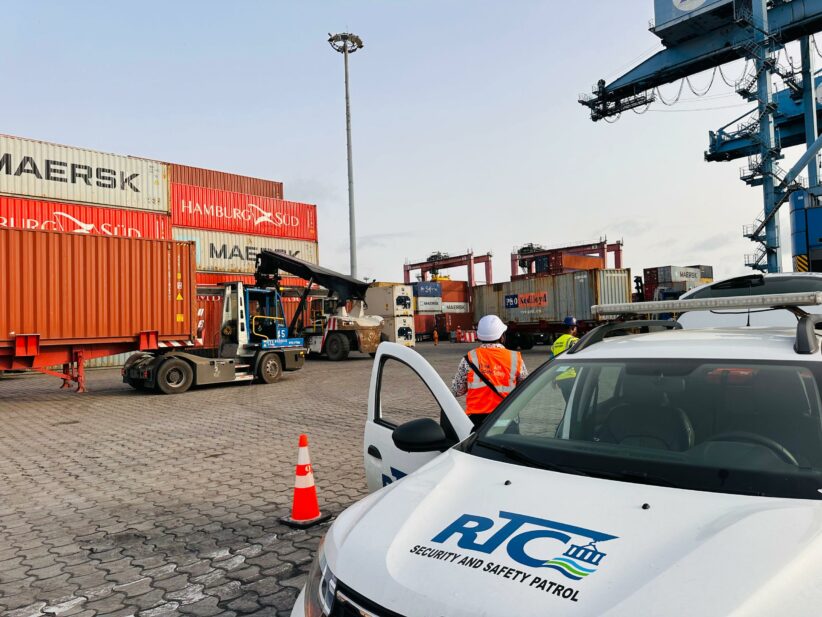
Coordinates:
column 196, row 176
column 19, row 213
column 205, row 208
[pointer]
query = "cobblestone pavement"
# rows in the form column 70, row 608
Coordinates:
column 124, row 503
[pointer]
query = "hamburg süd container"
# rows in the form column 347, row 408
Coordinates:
column 22, row 213
column 207, row 178
column 399, row 330
column 205, row 208
column 237, row 253
column 43, row 170
column 424, row 304
column 428, row 289
column 82, row 289
column 394, row 301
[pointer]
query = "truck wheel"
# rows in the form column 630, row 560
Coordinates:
column 337, row 347
column 526, row 342
column 512, row 341
column 174, row 376
column 270, row 368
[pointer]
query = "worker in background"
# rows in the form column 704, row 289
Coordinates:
column 489, row 373
column 436, row 337
column 564, row 342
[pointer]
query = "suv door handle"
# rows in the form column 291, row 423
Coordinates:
column 372, row 451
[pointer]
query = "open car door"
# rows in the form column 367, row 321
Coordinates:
column 407, row 392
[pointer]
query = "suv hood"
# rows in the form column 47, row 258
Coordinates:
column 470, row 536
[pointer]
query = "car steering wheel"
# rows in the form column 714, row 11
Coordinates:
column 760, row 440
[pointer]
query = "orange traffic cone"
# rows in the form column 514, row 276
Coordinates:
column 305, row 510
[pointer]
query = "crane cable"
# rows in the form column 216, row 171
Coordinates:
column 707, row 89
column 678, row 94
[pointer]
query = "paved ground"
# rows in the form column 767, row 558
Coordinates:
column 123, row 503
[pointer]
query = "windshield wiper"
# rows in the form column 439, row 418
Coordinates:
column 515, row 455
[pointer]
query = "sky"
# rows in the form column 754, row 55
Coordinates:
column 467, row 133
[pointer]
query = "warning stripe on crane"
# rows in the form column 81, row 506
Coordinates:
column 800, row 263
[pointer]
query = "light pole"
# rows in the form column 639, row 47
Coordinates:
column 346, row 43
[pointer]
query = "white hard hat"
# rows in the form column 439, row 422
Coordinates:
column 490, row 328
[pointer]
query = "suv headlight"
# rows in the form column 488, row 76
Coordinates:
column 320, row 586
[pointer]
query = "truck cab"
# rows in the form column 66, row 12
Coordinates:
column 254, row 345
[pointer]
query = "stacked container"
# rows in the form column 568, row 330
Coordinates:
column 229, row 217
column 394, row 304
column 673, row 280
column 427, row 298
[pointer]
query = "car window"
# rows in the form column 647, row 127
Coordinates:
column 403, row 395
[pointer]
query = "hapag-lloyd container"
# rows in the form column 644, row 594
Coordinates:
column 206, row 208
column 197, row 176
column 237, row 253
column 21, row 213
column 552, row 298
column 49, row 171
column 81, row 289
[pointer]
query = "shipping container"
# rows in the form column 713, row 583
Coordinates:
column 454, row 291
column 197, row 176
column 395, row 301
column 237, row 253
column 22, row 213
column 488, row 299
column 424, row 304
column 399, row 330
column 428, row 289
column 455, row 307
column 204, row 208
column 649, row 291
column 215, row 279
column 446, row 323
column 552, row 298
column 676, row 274
column 705, row 272
column 650, row 275
column 43, row 170
column 388, row 284
column 72, row 291
column 424, row 326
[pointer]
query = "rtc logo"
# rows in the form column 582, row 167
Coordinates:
column 516, row 532
column 688, row 5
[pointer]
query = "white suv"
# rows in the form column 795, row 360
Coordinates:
column 683, row 476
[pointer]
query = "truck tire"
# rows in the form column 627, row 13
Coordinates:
column 526, row 342
column 174, row 376
column 337, row 346
column 513, row 340
column 269, row 368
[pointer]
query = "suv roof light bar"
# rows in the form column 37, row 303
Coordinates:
column 811, row 298
column 597, row 334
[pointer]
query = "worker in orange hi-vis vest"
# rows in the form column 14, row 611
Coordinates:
column 489, row 373
column 436, row 337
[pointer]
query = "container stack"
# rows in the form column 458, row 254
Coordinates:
column 672, row 281
column 394, row 304
column 231, row 218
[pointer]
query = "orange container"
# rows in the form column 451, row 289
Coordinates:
column 89, row 290
column 207, row 178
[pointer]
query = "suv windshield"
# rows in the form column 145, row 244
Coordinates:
column 727, row 426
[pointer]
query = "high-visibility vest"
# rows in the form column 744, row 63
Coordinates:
column 499, row 366
column 563, row 343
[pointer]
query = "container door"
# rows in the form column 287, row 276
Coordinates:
column 405, row 387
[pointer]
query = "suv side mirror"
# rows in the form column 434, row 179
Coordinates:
column 421, row 435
